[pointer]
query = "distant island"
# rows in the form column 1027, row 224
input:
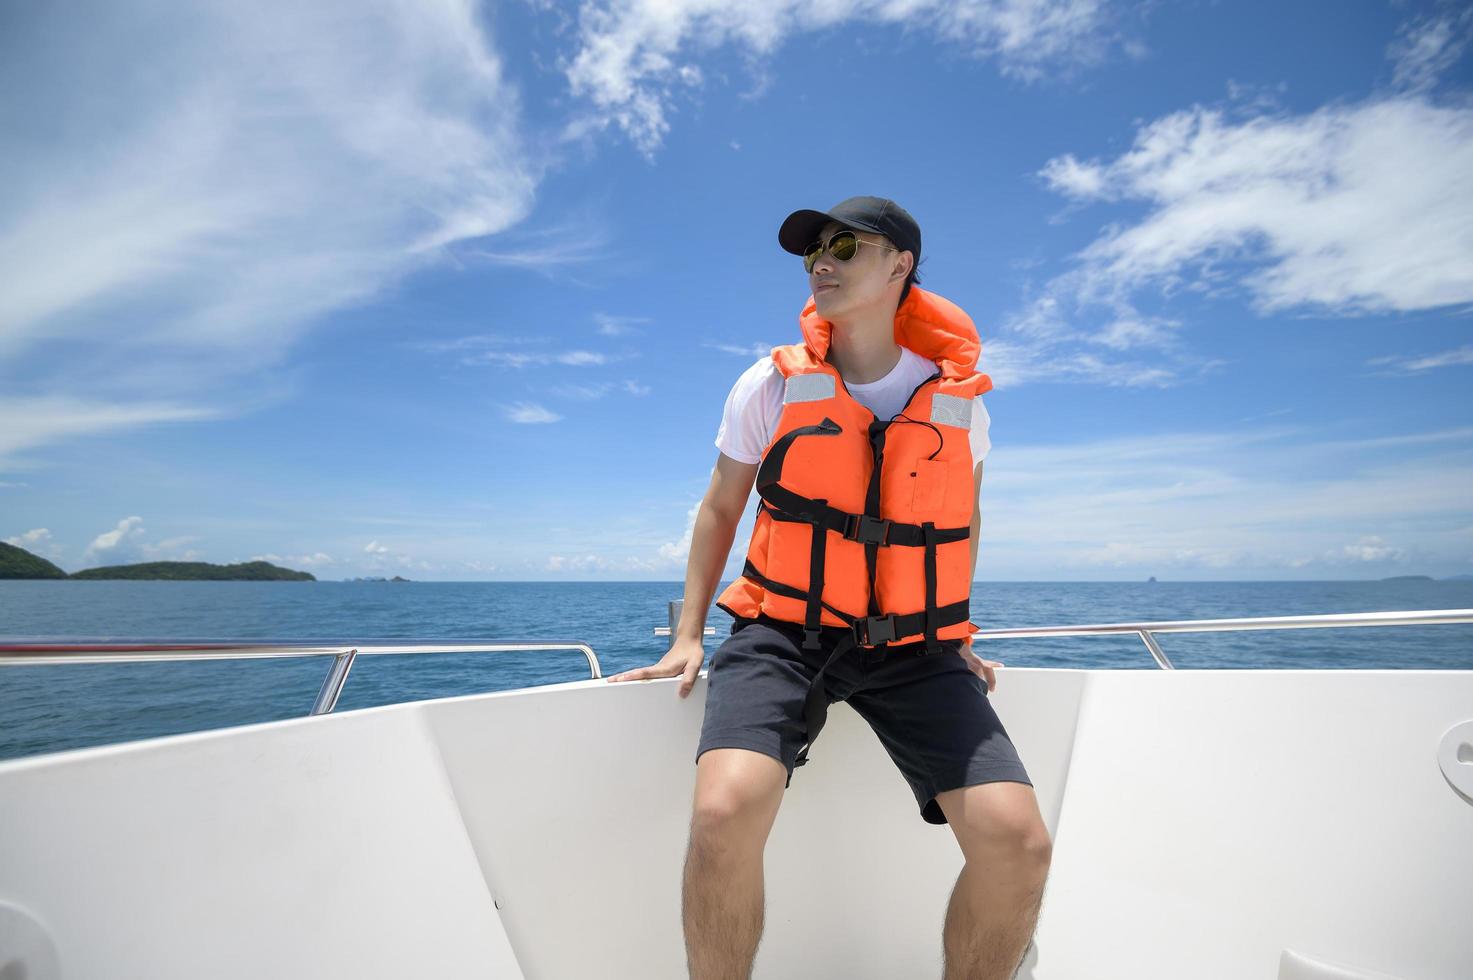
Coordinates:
column 18, row 563
column 1409, row 578
column 371, row 578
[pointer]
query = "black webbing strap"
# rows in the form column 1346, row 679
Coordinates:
column 816, row 704
column 771, row 469
column 877, row 430
column 789, row 591
column 814, row 610
column 866, row 629
column 933, row 645
column 855, row 527
column 868, row 527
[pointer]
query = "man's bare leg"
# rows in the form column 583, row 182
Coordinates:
column 995, row 903
column 736, row 800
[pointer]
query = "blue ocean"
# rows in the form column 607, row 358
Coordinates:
column 45, row 709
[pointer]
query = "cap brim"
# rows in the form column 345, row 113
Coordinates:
column 800, row 229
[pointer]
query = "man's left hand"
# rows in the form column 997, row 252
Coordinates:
column 982, row 668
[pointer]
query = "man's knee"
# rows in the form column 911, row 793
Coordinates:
column 737, row 795
column 999, row 820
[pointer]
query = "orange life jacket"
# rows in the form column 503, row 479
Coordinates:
column 865, row 523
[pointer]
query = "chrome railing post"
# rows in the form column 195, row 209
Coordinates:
column 1156, row 651
column 675, row 606
column 332, row 684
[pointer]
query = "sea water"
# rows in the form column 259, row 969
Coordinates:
column 45, row 709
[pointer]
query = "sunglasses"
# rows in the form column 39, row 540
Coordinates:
column 843, row 245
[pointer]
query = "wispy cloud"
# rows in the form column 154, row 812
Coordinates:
column 591, row 392
column 191, row 221
column 317, row 559
column 38, row 541
column 1253, row 502
column 479, row 341
column 34, row 422
column 1410, row 364
column 1315, row 212
column 758, row 349
column 127, row 542
column 501, row 350
column 677, row 552
column 619, row 326
column 634, row 58
column 516, row 359
column 530, row 413
column 1427, row 46
column 1320, row 204
column 548, row 251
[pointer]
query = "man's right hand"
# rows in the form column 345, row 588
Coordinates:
column 684, row 658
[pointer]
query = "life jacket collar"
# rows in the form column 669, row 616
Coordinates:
column 926, row 322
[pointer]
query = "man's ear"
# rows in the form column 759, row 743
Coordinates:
column 902, row 266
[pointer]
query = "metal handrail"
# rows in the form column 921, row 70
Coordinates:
column 76, row 650
column 1147, row 631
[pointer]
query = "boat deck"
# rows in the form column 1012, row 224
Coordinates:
column 1212, row 825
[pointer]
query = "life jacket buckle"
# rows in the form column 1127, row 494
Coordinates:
column 866, row 529
column 875, row 629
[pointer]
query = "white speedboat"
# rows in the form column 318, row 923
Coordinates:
column 1207, row 824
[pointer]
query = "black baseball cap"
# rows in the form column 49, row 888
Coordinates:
column 877, row 214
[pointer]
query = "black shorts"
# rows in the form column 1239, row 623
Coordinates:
column 930, row 711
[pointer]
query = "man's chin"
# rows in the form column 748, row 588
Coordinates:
column 824, row 304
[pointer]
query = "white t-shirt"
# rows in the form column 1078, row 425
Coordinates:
column 756, row 401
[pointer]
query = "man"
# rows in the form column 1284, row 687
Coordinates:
column 865, row 444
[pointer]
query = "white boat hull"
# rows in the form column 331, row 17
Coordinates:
column 1208, row 825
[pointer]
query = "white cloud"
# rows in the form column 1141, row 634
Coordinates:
column 30, row 539
column 31, row 422
column 678, row 551
column 1013, row 363
column 513, row 359
column 589, row 562
column 758, row 349
column 120, row 545
column 194, row 212
column 530, row 413
column 38, row 541
column 1371, row 548
column 1359, row 208
column 127, row 543
column 585, row 392
column 1425, row 47
column 1243, row 503
column 590, row 392
column 1426, row 362
column 619, row 326
column 379, row 558
column 313, row 560
column 1355, row 208
column 635, row 56
column 1136, row 331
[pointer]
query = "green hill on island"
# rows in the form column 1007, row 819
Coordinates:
column 249, row 571
column 20, row 563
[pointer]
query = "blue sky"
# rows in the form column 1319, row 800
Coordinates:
column 457, row 291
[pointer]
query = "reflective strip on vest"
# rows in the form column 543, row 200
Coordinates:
column 951, row 410
column 808, row 388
